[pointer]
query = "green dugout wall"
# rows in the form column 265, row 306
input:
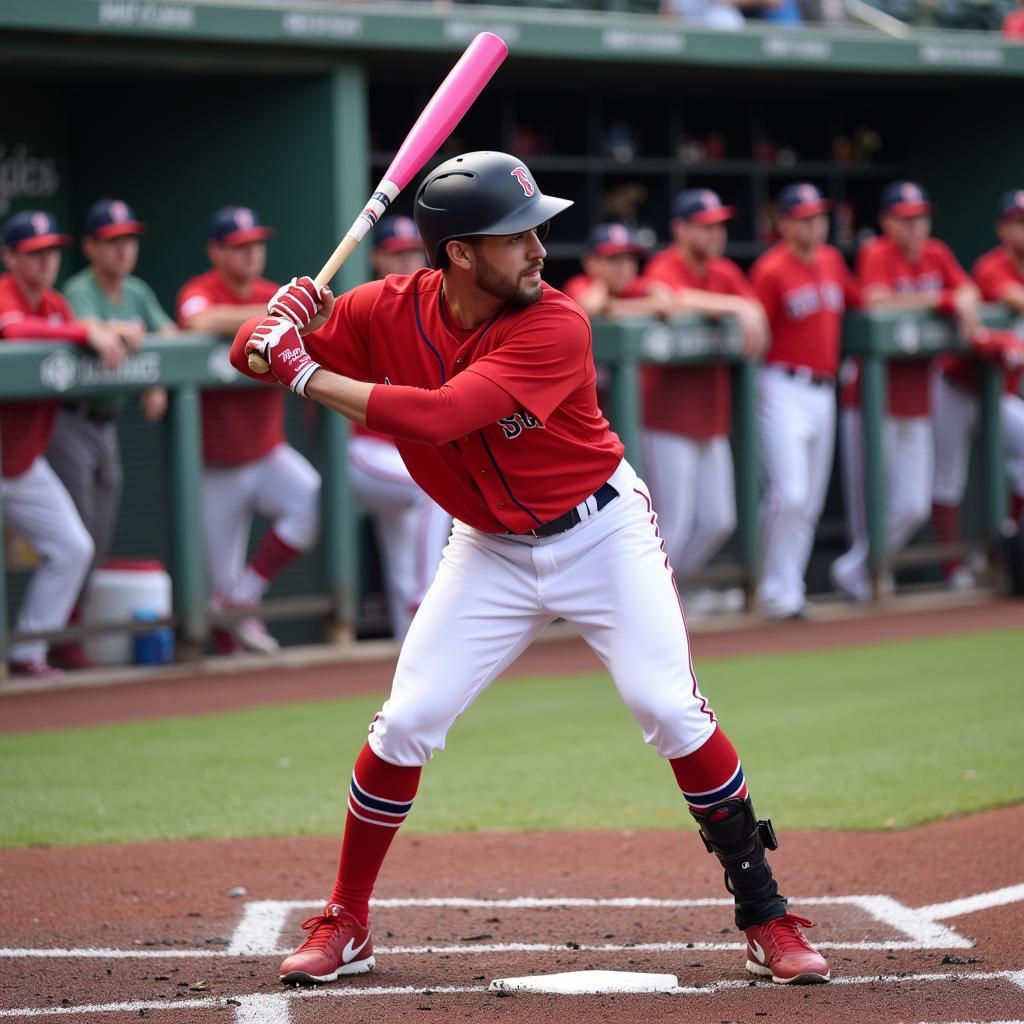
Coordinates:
column 296, row 109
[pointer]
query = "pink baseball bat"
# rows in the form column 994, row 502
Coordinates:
column 446, row 108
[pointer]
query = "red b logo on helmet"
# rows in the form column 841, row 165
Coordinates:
column 520, row 174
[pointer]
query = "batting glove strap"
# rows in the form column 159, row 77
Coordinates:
column 279, row 343
column 297, row 301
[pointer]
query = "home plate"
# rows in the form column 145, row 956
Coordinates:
column 588, row 983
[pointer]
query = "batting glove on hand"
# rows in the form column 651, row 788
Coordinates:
column 278, row 342
column 298, row 301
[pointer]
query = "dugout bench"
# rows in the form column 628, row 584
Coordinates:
column 186, row 364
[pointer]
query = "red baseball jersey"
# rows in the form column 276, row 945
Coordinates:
column 522, row 470
column 880, row 262
column 805, row 303
column 693, row 401
column 25, row 427
column 241, row 425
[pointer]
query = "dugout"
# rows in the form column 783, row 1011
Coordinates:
column 296, row 108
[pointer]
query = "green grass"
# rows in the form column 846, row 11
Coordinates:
column 867, row 737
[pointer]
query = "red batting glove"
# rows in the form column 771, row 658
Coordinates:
column 278, row 342
column 298, row 301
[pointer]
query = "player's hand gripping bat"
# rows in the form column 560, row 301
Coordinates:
column 454, row 96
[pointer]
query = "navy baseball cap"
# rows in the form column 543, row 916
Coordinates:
column 112, row 218
column 32, row 230
column 801, row 200
column 701, row 206
column 396, row 234
column 1011, row 205
column 237, row 225
column 904, row 199
column 613, row 240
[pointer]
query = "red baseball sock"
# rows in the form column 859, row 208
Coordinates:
column 380, row 797
column 711, row 774
column 946, row 523
column 272, row 556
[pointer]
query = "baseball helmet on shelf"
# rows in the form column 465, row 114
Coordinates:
column 480, row 194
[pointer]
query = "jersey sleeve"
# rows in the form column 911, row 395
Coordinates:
column 192, row 300
column 576, row 286
column 546, row 360
column 737, row 281
column 992, row 279
column 871, row 266
column 954, row 274
column 853, row 287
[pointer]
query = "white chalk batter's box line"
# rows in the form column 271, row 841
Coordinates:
column 276, row 1009
column 259, row 932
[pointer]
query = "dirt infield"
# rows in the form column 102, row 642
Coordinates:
column 257, row 685
column 922, row 925
column 918, row 925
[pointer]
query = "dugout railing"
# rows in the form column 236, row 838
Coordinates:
column 187, row 364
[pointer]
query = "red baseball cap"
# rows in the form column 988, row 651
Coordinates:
column 396, row 234
column 613, row 240
column 112, row 218
column 701, row 206
column 802, row 200
column 1011, row 205
column 32, row 230
column 905, row 199
column 237, row 225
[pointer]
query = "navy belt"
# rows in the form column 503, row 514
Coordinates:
column 819, row 380
column 604, row 494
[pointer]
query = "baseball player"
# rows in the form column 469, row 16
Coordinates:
column 249, row 467
column 687, row 409
column 412, row 530
column 999, row 275
column 804, row 286
column 904, row 268
column 484, row 376
column 84, row 450
column 611, row 284
column 36, row 504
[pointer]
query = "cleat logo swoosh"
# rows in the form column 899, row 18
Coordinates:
column 755, row 948
column 351, row 951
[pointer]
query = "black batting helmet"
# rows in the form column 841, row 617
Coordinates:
column 480, row 194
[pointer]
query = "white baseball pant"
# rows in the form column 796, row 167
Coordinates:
column 412, row 530
column 608, row 576
column 694, row 490
column 796, row 426
column 282, row 486
column 908, row 454
column 955, row 413
column 38, row 508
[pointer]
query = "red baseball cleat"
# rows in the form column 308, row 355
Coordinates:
column 337, row 944
column 779, row 949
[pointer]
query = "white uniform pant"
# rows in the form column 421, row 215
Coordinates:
column 796, row 430
column 282, row 486
column 39, row 509
column 608, row 576
column 955, row 411
column 908, row 457
column 412, row 530
column 695, row 493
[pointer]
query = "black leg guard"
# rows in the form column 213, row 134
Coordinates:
column 731, row 832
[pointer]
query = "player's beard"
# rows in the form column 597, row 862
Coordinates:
column 513, row 291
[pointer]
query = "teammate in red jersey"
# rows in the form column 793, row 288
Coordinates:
column 36, row 505
column 804, row 286
column 484, row 375
column 904, row 268
column 248, row 465
column 999, row 274
column 611, row 284
column 687, row 412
